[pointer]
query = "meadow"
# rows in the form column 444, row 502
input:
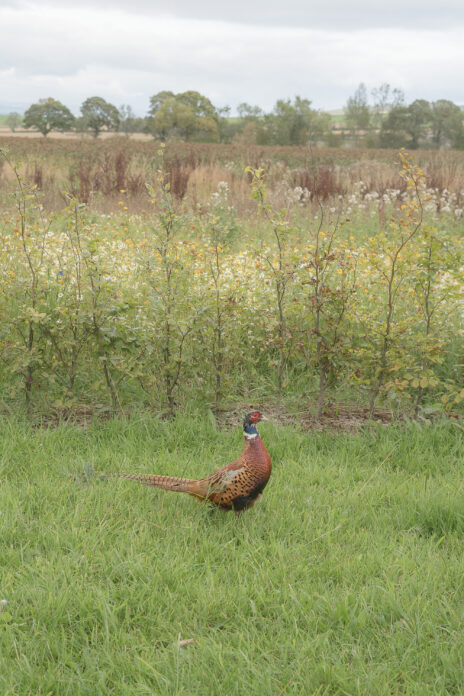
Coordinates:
column 151, row 296
column 345, row 579
column 94, row 171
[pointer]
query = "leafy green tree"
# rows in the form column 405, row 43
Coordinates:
column 295, row 124
column 160, row 120
column 47, row 115
column 201, row 104
column 127, row 119
column 394, row 129
column 173, row 120
column 385, row 98
column 227, row 128
column 13, row 120
column 250, row 127
column 446, row 122
column 129, row 122
column 406, row 125
column 419, row 115
column 97, row 114
column 357, row 111
column 157, row 101
column 249, row 112
column 185, row 116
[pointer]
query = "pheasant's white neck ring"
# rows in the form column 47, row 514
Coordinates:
column 249, row 431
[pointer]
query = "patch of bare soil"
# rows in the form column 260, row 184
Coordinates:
column 335, row 417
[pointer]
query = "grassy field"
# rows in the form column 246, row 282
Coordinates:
column 346, row 579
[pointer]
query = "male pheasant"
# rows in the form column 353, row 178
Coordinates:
column 236, row 486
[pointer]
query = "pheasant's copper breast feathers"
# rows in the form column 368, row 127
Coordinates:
column 236, row 486
column 244, row 479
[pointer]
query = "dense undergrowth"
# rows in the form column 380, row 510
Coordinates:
column 303, row 299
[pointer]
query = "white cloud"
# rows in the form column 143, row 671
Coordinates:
column 70, row 54
column 313, row 14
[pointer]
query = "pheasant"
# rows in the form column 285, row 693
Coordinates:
column 236, row 486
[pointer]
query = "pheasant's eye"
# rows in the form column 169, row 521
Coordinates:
column 255, row 417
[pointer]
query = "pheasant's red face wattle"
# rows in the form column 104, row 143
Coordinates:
column 255, row 417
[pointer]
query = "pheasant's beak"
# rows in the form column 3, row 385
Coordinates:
column 264, row 418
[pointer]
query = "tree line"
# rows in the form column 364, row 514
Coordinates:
column 390, row 122
column 379, row 119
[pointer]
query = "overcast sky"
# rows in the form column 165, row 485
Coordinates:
column 241, row 50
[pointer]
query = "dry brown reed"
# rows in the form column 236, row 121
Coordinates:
column 96, row 171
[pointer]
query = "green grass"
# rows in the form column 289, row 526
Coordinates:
column 346, row 579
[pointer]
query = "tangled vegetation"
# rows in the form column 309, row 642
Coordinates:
column 305, row 299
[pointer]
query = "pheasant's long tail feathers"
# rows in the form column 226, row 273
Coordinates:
column 168, row 483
